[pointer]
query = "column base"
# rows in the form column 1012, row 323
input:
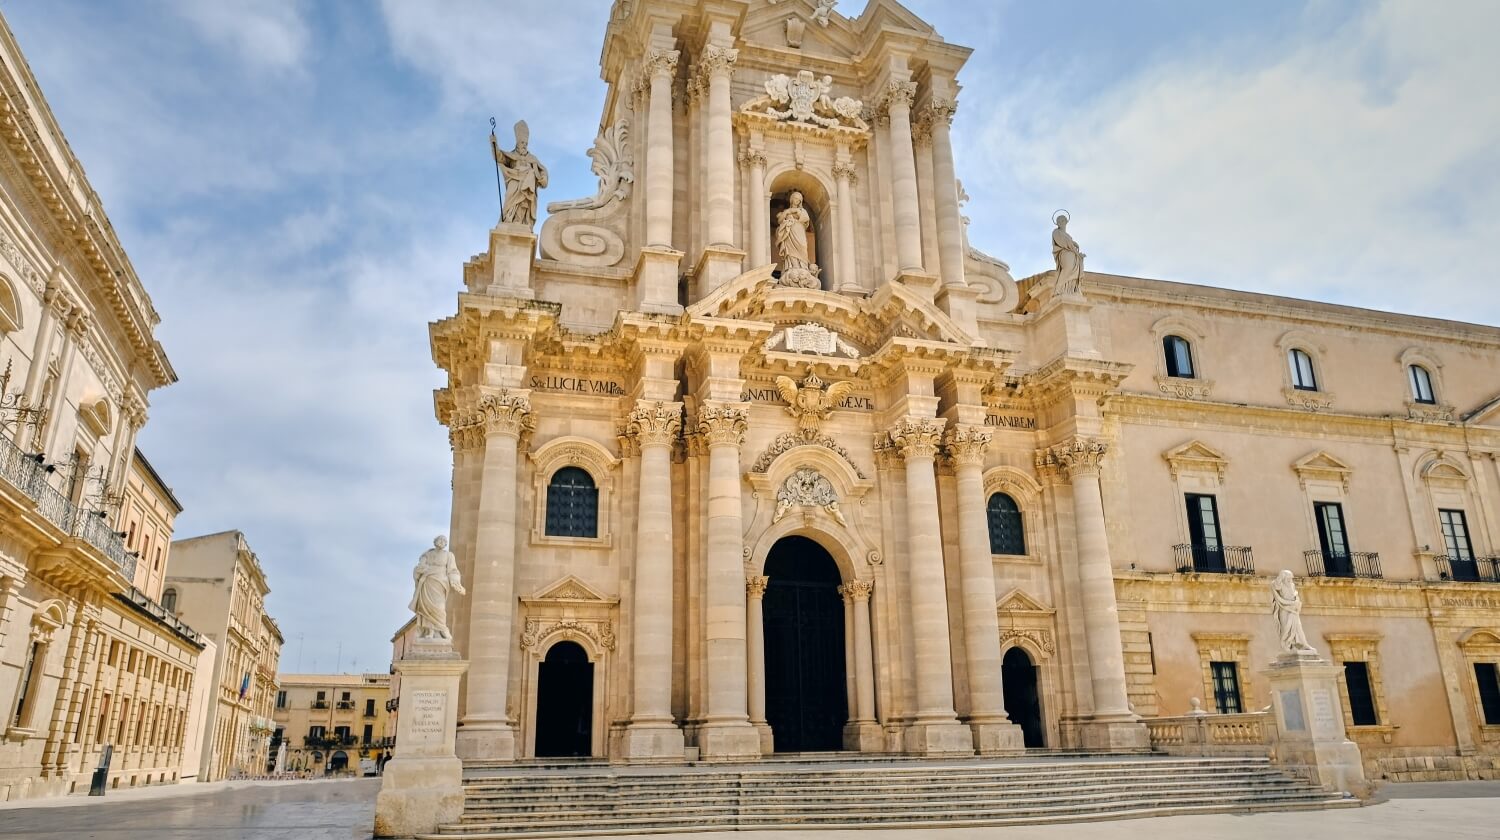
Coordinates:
column 944, row 738
column 767, row 737
column 728, row 742
column 999, row 737
column 961, row 303
column 1126, row 734
column 486, row 742
column 864, row 736
column 652, row 742
column 656, row 281
column 417, row 795
column 718, row 265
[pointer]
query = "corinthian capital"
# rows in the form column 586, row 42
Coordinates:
column 897, row 94
column 939, row 109
column 966, row 445
column 654, row 424
column 917, row 437
column 721, row 424
column 755, row 586
column 717, row 62
column 846, row 172
column 856, row 590
column 504, row 414
column 1076, row 456
column 465, row 435
column 660, row 63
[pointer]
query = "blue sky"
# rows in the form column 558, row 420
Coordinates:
column 299, row 183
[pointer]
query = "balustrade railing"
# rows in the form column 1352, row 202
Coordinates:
column 1248, row 733
column 1219, row 559
column 1470, row 569
column 1348, row 564
column 26, row 473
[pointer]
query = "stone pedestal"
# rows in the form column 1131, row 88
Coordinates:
column 718, row 265
column 512, row 249
column 653, row 742
column 939, row 739
column 1127, row 734
column 924, row 284
column 864, row 736
column 962, row 305
column 422, row 787
column 1311, row 741
column 655, row 281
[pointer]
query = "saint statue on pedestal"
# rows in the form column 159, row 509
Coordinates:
column 793, row 247
column 524, row 175
column 1068, row 258
column 1286, row 606
column 435, row 576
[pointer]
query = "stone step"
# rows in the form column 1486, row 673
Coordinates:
column 600, row 768
column 528, row 830
column 936, row 802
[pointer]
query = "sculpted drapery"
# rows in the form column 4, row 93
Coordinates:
column 793, row 248
column 435, row 576
column 1286, row 606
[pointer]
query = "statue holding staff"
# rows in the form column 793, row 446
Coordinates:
column 524, row 175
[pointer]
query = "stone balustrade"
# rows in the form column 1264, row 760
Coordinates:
column 1250, row 733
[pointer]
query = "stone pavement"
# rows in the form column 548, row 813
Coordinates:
column 341, row 810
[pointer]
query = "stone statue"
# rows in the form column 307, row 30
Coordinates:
column 436, row 574
column 793, row 246
column 1286, row 605
column 1068, row 257
column 524, row 175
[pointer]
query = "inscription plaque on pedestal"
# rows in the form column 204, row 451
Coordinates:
column 428, row 711
column 1291, row 711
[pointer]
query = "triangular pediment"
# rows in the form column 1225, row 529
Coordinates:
column 1322, row 461
column 888, row 14
column 1196, row 456
column 1485, row 415
column 1016, row 601
column 767, row 25
column 569, row 588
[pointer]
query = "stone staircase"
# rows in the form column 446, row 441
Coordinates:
column 594, row 799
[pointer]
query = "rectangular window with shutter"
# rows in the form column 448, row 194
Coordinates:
column 1361, row 696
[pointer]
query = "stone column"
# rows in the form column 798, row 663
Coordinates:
column 755, row 651
column 858, row 593
column 945, row 194
column 1113, row 724
column 993, row 731
column 898, row 99
column 936, row 728
column 726, row 730
column 660, row 68
column 844, row 175
column 717, row 64
column 488, row 730
column 653, row 733
column 760, row 210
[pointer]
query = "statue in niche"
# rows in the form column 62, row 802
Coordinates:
column 1068, row 257
column 1286, row 606
column 435, row 576
column 794, row 248
column 524, row 175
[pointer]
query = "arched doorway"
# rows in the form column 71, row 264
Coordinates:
column 565, row 702
column 339, row 762
column 806, row 699
column 1023, row 702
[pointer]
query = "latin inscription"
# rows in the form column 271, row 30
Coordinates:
column 771, row 395
column 577, row 385
column 1010, row 421
column 1322, row 712
column 428, row 712
column 1291, row 711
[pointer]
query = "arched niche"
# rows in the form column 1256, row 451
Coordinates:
column 817, row 198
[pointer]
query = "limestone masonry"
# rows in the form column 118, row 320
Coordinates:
column 754, row 453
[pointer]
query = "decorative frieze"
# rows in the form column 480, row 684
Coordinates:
column 804, row 437
column 601, row 632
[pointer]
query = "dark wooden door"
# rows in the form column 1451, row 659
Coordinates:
column 565, row 702
column 806, row 700
column 1023, row 702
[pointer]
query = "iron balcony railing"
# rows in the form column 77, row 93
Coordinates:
column 26, row 473
column 1220, row 559
column 1471, row 569
column 346, row 704
column 320, row 704
column 1348, row 564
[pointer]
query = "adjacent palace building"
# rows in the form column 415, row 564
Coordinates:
column 753, row 452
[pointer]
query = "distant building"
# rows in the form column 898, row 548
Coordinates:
column 218, row 586
column 331, row 721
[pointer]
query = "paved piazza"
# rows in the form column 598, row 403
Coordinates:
column 345, row 809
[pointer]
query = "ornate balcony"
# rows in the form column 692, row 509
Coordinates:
column 346, row 705
column 1468, row 569
column 320, row 704
column 1221, row 559
column 1348, row 564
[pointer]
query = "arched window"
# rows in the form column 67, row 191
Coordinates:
column 1007, row 534
column 572, row 504
column 1301, row 364
column 1179, row 356
column 1421, row 385
column 169, row 600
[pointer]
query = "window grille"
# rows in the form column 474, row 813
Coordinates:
column 1226, row 687
column 572, row 504
column 1007, row 533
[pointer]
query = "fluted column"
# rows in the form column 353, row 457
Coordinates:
column 488, row 731
column 755, row 593
column 760, row 210
column 467, row 443
column 717, row 63
column 1080, row 459
column 858, row 593
column 993, row 731
column 653, row 733
column 55, row 305
column 936, row 728
column 908, row 217
column 660, row 67
column 726, row 729
column 945, row 194
column 844, row 176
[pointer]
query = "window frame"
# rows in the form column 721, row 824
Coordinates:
column 1489, row 700
column 594, row 459
column 1227, row 690
column 1017, row 517
column 1297, row 360
column 1363, row 700
column 1177, row 351
column 1420, row 379
column 570, row 524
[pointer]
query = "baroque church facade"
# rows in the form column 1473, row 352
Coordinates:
column 754, row 453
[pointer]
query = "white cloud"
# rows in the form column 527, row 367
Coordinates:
column 1362, row 166
column 270, row 34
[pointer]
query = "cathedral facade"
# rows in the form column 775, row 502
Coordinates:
column 754, row 453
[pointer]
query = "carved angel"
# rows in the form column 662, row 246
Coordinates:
column 812, row 401
column 779, row 88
